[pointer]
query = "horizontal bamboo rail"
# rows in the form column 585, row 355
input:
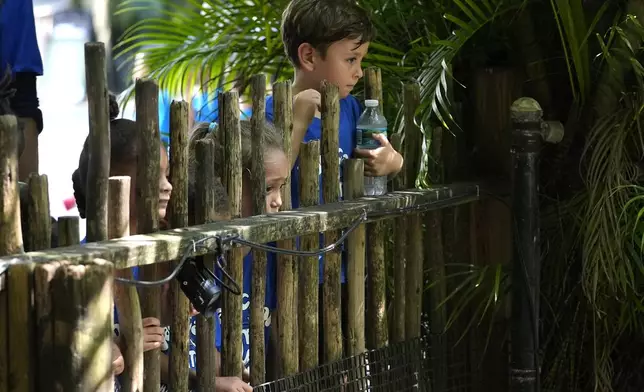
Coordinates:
column 153, row 248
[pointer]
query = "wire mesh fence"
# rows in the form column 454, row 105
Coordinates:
column 405, row 366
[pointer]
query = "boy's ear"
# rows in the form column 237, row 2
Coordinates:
column 306, row 54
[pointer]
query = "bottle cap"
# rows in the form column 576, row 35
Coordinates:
column 371, row 103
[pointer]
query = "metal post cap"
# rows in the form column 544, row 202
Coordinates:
column 526, row 109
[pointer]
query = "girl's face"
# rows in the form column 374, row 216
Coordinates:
column 165, row 188
column 276, row 169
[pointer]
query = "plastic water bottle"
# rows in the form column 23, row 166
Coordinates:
column 371, row 122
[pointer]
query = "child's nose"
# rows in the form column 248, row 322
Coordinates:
column 166, row 187
column 276, row 203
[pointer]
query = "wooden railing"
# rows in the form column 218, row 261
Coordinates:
column 56, row 305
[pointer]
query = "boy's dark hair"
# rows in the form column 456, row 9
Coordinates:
column 321, row 23
column 272, row 140
column 124, row 148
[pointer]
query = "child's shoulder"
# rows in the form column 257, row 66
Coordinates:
column 351, row 106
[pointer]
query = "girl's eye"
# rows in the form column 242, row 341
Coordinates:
column 352, row 60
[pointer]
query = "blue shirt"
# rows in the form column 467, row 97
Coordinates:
column 204, row 105
column 18, row 41
column 270, row 304
column 350, row 111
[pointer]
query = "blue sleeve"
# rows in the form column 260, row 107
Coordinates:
column 269, row 109
column 18, row 40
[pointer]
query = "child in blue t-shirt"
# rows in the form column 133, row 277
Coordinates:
column 327, row 41
column 276, row 169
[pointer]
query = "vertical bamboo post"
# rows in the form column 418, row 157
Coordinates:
column 377, row 308
column 10, row 243
column 286, row 267
column 98, row 169
column 354, row 189
column 82, row 303
column 232, row 309
column 373, row 85
column 126, row 297
column 414, row 267
column 310, row 267
column 11, row 233
column 68, row 231
column 147, row 196
column 178, row 217
column 39, row 219
column 436, row 263
column 378, row 334
column 21, row 332
column 50, row 354
column 331, row 299
column 46, row 356
column 400, row 258
column 205, row 212
column 258, row 188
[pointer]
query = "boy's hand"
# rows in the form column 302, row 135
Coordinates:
column 231, row 384
column 153, row 334
column 118, row 363
column 305, row 104
column 381, row 161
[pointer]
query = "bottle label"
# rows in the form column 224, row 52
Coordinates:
column 365, row 140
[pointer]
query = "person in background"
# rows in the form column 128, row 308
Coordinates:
column 124, row 151
column 276, row 168
column 19, row 52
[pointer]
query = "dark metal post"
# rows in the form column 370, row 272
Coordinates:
column 528, row 131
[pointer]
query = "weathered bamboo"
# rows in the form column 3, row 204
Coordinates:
column 232, row 306
column 331, row 300
column 377, row 335
column 43, row 303
column 39, row 219
column 353, row 189
column 178, row 217
column 98, row 169
column 286, row 267
column 82, row 303
column 205, row 212
column 310, row 268
column 21, row 345
column 436, row 267
column 373, row 85
column 11, row 234
column 400, row 258
column 147, row 196
column 139, row 250
column 414, row 265
column 258, row 181
column 126, row 297
column 68, row 231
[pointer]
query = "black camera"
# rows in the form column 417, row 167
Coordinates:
column 199, row 284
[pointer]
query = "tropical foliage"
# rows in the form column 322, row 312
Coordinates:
column 582, row 59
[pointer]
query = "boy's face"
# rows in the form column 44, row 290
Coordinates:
column 342, row 64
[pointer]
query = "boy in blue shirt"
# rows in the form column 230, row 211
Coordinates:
column 327, row 40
